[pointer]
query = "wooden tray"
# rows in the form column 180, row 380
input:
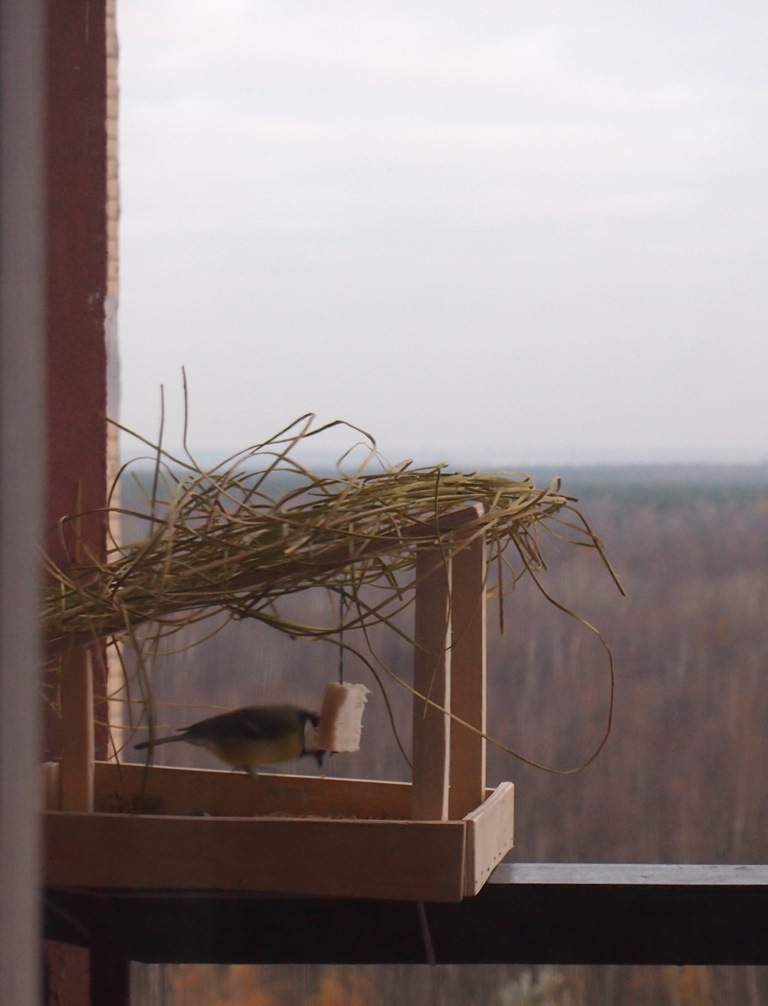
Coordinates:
column 211, row 830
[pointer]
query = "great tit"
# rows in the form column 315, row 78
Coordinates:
column 249, row 737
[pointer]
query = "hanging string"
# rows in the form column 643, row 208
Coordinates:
column 343, row 605
column 426, row 935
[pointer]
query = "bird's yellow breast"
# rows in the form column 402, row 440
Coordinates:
column 239, row 751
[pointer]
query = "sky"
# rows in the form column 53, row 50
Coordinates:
column 507, row 230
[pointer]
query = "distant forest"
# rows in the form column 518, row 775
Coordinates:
column 681, row 779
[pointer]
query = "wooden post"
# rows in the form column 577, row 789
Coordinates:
column 431, row 679
column 77, row 737
column 110, row 974
column 468, row 679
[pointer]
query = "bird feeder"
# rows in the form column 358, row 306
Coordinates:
column 110, row 825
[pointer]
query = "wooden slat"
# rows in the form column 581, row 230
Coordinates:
column 161, row 789
column 359, row 859
column 468, row 679
column 670, row 876
column 50, row 783
column 490, row 836
column 77, row 737
column 431, row 678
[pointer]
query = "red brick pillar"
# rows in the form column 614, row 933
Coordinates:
column 76, row 358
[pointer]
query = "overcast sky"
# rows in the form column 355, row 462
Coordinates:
column 522, row 230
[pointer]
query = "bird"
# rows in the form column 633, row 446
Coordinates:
column 249, row 737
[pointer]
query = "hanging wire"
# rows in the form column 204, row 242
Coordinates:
column 343, row 605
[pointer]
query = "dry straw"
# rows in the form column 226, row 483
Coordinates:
column 238, row 538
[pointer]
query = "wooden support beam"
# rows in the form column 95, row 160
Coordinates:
column 468, row 679
column 542, row 913
column 77, row 737
column 431, row 679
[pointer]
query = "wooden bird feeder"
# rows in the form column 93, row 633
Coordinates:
column 113, row 826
